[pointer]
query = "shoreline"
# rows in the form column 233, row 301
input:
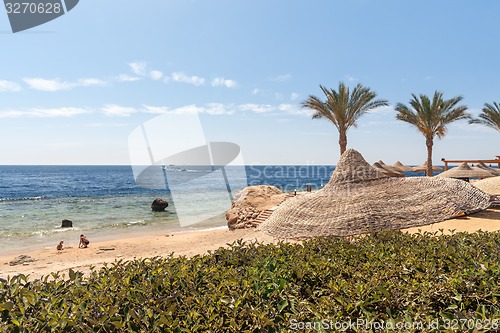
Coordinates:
column 186, row 243
column 70, row 236
column 183, row 243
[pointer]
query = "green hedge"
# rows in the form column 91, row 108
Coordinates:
column 389, row 277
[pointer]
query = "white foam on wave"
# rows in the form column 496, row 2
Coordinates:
column 22, row 199
column 135, row 222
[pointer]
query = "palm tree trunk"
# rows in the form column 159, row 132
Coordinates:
column 342, row 141
column 429, row 143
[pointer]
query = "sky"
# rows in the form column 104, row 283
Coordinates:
column 72, row 91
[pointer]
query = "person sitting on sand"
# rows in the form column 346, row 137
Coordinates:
column 84, row 242
column 60, row 246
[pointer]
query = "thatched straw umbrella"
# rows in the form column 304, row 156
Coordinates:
column 483, row 166
column 489, row 185
column 359, row 199
column 423, row 168
column 401, row 167
column 388, row 170
column 464, row 171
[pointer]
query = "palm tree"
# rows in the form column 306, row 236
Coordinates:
column 489, row 117
column 343, row 108
column 431, row 118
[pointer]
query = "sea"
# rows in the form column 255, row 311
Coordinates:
column 107, row 202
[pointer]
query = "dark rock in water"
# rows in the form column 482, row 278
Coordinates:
column 66, row 224
column 159, row 205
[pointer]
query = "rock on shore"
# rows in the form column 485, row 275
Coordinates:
column 66, row 223
column 250, row 202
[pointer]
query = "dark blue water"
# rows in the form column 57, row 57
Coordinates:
column 49, row 182
column 290, row 178
column 18, row 182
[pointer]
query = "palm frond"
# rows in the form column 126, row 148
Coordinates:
column 490, row 116
column 431, row 116
column 343, row 107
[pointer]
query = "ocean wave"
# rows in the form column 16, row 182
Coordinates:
column 22, row 199
column 59, row 229
column 190, row 170
column 135, row 222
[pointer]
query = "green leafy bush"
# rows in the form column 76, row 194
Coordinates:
column 389, row 277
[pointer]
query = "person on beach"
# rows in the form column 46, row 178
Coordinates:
column 60, row 246
column 84, row 242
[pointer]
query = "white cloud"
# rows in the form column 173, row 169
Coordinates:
column 114, row 110
column 9, row 86
column 48, row 85
column 383, row 110
column 12, row 114
column 295, row 110
column 91, row 82
column 219, row 109
column 464, row 126
column 138, row 68
column 256, row 91
column 156, row 75
column 210, row 108
column 58, row 112
column 155, row 109
column 181, row 77
column 105, row 125
column 294, row 96
column 257, row 108
column 44, row 112
column 128, row 78
column 189, row 109
column 221, row 82
column 281, row 78
column 58, row 84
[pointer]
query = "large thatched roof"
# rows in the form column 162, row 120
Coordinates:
column 465, row 171
column 388, row 170
column 359, row 199
column 483, row 166
column 401, row 167
column 489, row 185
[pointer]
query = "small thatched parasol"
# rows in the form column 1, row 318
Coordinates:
column 489, row 185
column 464, row 171
column 358, row 199
column 388, row 170
column 423, row 168
column 401, row 167
column 483, row 166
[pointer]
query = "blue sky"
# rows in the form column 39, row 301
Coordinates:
column 73, row 90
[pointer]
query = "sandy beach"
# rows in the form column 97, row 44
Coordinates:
column 48, row 260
